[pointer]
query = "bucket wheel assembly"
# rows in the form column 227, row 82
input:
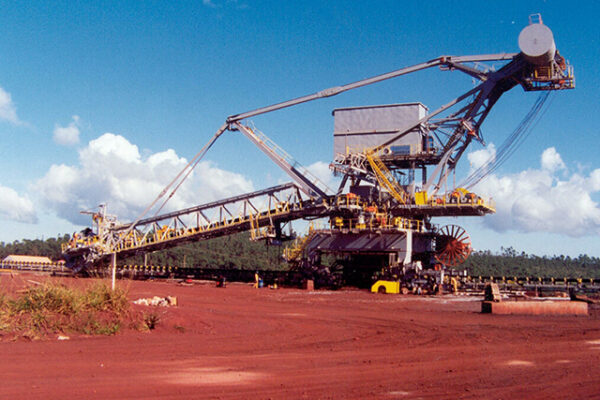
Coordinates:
column 453, row 245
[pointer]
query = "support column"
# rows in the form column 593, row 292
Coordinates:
column 114, row 269
column 408, row 254
column 411, row 179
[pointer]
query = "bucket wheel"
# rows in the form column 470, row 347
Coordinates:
column 453, row 245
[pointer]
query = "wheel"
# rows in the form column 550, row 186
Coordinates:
column 381, row 289
column 337, row 274
column 327, row 277
column 453, row 245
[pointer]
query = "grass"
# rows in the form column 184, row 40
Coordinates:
column 151, row 319
column 51, row 308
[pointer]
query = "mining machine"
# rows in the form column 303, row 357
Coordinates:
column 393, row 162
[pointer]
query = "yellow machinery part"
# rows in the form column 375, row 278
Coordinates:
column 385, row 177
column 421, row 198
column 386, row 287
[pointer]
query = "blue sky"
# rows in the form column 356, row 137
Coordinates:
column 104, row 101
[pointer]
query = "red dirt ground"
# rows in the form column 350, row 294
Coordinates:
column 245, row 343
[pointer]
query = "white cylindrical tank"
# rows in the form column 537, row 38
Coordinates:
column 537, row 44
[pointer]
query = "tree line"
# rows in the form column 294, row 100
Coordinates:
column 238, row 252
column 509, row 262
column 234, row 251
column 50, row 247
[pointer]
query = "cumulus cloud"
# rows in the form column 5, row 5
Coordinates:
column 8, row 111
column 479, row 158
column 551, row 160
column 324, row 174
column 16, row 208
column 542, row 200
column 67, row 135
column 112, row 171
column 594, row 180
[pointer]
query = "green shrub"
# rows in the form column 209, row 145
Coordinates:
column 52, row 308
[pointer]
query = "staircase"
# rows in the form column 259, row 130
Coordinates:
column 385, row 178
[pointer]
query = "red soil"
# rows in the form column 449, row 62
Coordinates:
column 245, row 343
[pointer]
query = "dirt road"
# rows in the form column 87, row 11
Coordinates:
column 245, row 343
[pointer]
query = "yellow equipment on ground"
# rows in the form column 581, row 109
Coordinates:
column 386, row 287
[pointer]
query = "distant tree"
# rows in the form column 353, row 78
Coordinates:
column 238, row 252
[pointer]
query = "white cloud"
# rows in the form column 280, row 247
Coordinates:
column 16, row 208
column 324, row 174
column 112, row 171
column 479, row 158
column 67, row 135
column 538, row 200
column 551, row 160
column 595, row 180
column 8, row 111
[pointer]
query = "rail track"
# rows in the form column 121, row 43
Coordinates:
column 466, row 284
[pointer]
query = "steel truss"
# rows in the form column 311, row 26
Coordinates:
column 261, row 212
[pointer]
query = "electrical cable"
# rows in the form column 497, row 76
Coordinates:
column 510, row 144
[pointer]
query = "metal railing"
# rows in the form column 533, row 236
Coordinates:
column 34, row 266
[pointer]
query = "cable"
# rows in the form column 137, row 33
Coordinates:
column 198, row 157
column 510, row 144
column 189, row 167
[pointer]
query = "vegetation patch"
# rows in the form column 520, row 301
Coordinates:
column 237, row 252
column 509, row 262
column 151, row 319
column 50, row 309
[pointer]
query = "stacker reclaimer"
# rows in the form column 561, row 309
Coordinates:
column 393, row 161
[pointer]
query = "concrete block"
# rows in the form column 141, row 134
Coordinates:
column 535, row 307
column 310, row 285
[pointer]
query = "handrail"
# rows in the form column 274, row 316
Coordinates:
column 385, row 178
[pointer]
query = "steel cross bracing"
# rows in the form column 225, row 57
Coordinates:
column 307, row 182
column 261, row 212
column 448, row 62
column 452, row 133
column 262, row 209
